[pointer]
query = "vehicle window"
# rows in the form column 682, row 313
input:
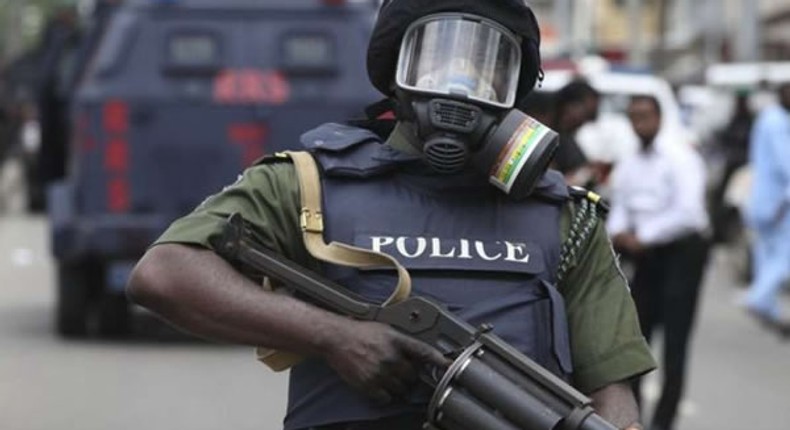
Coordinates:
column 193, row 49
column 114, row 48
column 308, row 53
column 193, row 52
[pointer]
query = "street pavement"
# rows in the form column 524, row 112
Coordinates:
column 156, row 382
column 738, row 374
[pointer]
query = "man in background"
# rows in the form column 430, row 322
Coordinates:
column 606, row 138
column 571, row 112
column 767, row 210
column 657, row 219
column 733, row 141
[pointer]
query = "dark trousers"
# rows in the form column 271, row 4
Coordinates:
column 665, row 289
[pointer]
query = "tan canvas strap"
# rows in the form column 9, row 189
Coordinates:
column 312, row 224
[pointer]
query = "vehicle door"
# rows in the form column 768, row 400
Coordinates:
column 307, row 68
column 175, row 142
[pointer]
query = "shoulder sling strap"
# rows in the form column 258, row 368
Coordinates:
column 312, row 225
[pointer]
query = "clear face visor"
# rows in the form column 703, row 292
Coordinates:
column 463, row 56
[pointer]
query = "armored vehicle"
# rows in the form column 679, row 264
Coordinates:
column 178, row 98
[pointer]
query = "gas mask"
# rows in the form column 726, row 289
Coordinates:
column 456, row 80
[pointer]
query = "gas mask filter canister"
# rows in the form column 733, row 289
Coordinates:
column 517, row 153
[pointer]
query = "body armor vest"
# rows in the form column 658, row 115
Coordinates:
column 489, row 259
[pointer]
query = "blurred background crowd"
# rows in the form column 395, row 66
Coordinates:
column 117, row 116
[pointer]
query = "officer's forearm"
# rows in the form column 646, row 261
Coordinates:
column 616, row 404
column 199, row 292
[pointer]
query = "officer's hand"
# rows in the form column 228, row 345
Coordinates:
column 379, row 361
column 627, row 242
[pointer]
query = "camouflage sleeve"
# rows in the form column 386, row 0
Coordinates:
column 266, row 195
column 607, row 344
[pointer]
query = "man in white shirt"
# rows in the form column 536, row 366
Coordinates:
column 658, row 218
column 605, row 141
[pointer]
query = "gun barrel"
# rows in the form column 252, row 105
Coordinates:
column 501, row 394
column 461, row 412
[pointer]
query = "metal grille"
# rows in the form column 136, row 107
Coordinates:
column 454, row 115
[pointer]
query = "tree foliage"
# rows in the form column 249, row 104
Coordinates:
column 22, row 22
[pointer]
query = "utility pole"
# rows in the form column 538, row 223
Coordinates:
column 584, row 27
column 748, row 46
column 660, row 59
column 563, row 19
column 636, row 49
column 684, row 19
column 712, row 12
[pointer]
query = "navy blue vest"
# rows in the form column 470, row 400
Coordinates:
column 488, row 258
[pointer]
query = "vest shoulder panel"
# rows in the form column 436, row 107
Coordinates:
column 352, row 152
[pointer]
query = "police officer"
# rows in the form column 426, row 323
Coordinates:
column 459, row 193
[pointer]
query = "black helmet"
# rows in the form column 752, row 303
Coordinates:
column 395, row 17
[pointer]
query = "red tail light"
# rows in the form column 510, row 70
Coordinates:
column 118, row 195
column 116, row 155
column 251, row 137
column 115, row 119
